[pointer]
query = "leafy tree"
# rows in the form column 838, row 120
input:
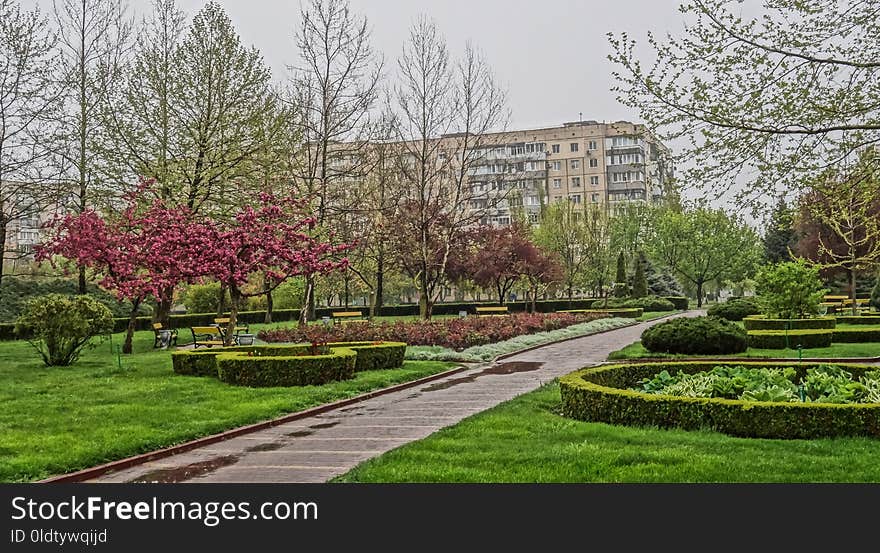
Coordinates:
column 640, row 283
column 790, row 289
column 565, row 232
column 59, row 326
column 703, row 245
column 780, row 236
column 770, row 98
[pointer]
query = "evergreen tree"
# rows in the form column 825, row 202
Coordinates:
column 640, row 283
column 780, row 234
column 620, row 287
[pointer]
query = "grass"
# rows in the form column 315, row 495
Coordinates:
column 637, row 351
column 655, row 315
column 526, row 440
column 60, row 419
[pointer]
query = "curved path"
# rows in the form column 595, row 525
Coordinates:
column 318, row 448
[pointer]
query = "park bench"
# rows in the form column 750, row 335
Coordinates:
column 491, row 311
column 162, row 334
column 207, row 336
column 223, row 323
column 340, row 316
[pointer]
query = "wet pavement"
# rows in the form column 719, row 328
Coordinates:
column 321, row 447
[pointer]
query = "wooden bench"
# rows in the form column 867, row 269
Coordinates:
column 491, row 311
column 207, row 336
column 340, row 316
column 157, row 334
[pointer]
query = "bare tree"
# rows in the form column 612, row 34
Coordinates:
column 94, row 37
column 29, row 100
column 336, row 84
column 447, row 113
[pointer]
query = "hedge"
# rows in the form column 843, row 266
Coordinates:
column 734, row 310
column 856, row 335
column 858, row 320
column 680, row 303
column 599, row 395
column 623, row 313
column 240, row 369
column 649, row 303
column 370, row 356
column 762, row 323
column 780, row 339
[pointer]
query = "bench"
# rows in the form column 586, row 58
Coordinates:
column 207, row 336
column 160, row 334
column 491, row 311
column 340, row 316
column 223, row 322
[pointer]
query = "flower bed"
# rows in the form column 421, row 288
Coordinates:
column 603, row 394
column 456, row 334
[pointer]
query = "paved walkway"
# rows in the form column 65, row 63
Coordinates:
column 327, row 445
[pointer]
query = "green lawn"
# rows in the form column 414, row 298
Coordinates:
column 654, row 315
column 871, row 349
column 56, row 420
column 526, row 440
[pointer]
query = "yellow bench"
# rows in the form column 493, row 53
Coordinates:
column 835, row 298
column 207, row 336
column 491, row 311
column 340, row 316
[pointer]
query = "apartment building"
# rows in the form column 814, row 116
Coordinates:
column 582, row 162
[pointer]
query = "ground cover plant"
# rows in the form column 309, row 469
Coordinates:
column 456, row 334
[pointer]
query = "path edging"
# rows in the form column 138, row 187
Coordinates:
column 128, row 462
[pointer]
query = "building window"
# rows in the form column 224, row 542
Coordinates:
column 594, row 180
column 575, row 198
column 555, row 148
column 556, row 166
column 592, row 145
column 595, row 198
column 575, row 164
column 575, row 181
column 594, row 162
column 574, row 146
column 557, row 183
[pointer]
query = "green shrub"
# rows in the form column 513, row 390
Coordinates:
column 678, row 302
column 649, row 303
column 697, row 335
column 240, row 369
column 858, row 319
column 735, row 310
column 15, row 291
column 763, row 323
column 598, row 394
column 59, row 327
column 782, row 339
column 374, row 356
column 856, row 335
column 790, row 290
column 623, row 313
column 202, row 298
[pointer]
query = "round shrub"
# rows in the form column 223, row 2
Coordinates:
column 762, row 323
column 59, row 326
column 600, row 394
column 782, row 339
column 697, row 335
column 735, row 310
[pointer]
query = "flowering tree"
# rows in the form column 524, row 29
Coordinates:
column 139, row 253
column 272, row 238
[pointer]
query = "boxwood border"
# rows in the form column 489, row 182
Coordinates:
column 782, row 339
column 622, row 312
column 763, row 323
column 599, row 394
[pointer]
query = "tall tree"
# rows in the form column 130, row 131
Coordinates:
column 336, row 85
column 94, row 37
column 764, row 100
column 780, row 235
column 640, row 281
column 437, row 97
column 839, row 220
column 703, row 245
column 29, row 102
column 563, row 231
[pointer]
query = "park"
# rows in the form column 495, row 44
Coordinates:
column 365, row 275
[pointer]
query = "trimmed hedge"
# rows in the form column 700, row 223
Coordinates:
column 237, row 368
column 762, row 323
column 695, row 335
column 599, row 394
column 856, row 335
column 623, row 313
column 860, row 320
column 780, row 339
column 679, row 302
column 370, row 356
column 646, row 304
column 734, row 310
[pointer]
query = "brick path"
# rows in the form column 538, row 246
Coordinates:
column 327, row 445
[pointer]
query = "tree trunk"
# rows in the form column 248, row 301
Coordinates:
column 570, row 294
column 304, row 312
column 534, row 293
column 81, row 285
column 221, row 300
column 380, row 284
column 852, row 291
column 235, row 300
column 311, row 303
column 347, row 289
column 699, row 294
column 163, row 307
column 269, row 306
column 424, row 300
column 132, row 323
